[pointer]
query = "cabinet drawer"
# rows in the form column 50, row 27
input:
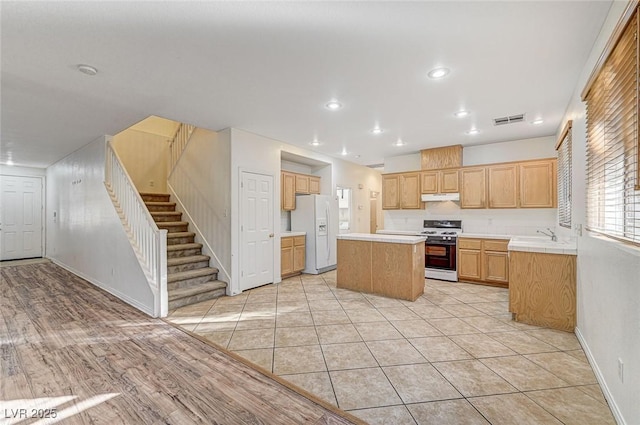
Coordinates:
column 495, row 245
column 470, row 243
column 286, row 242
column 298, row 240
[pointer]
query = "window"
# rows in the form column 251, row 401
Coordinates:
column 344, row 209
column 613, row 198
column 564, row 176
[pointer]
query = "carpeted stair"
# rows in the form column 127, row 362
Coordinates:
column 189, row 277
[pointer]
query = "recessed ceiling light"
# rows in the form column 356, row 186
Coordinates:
column 473, row 132
column 461, row 113
column 377, row 130
column 87, row 69
column 438, row 73
column 399, row 143
column 344, row 152
column 538, row 121
column 315, row 142
column 334, row 105
column 9, row 162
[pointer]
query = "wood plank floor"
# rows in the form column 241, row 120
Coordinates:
column 69, row 346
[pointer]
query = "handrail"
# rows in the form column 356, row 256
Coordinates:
column 149, row 242
column 179, row 142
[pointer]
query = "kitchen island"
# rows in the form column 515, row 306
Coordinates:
column 388, row 265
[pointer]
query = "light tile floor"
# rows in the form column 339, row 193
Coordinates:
column 454, row 356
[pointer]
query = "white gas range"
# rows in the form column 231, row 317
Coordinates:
column 440, row 248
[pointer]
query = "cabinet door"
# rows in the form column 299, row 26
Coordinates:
column 410, row 189
column 298, row 258
column 287, row 191
column 538, row 184
column 449, row 181
column 302, row 184
column 391, row 192
column 496, row 267
column 286, row 256
column 503, row 186
column 469, row 264
column 474, row 187
column 429, row 182
column 314, row 185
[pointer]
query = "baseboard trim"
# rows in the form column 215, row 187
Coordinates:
column 617, row 415
column 134, row 303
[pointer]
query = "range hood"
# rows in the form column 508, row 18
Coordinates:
column 438, row 197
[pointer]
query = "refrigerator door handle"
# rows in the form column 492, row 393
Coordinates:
column 326, row 211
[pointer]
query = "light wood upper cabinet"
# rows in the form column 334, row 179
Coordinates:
column 391, row 192
column 296, row 183
column 473, row 192
column 444, row 157
column 503, row 186
column 429, row 182
column 302, row 184
column 449, row 181
column 440, row 181
column 538, row 184
column 314, row 185
column 410, row 190
column 287, row 191
column 401, row 191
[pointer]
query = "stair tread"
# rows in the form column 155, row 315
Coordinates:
column 181, row 246
column 165, row 213
column 154, row 194
column 172, row 223
column 160, row 204
column 195, row 289
column 180, row 234
column 205, row 271
column 185, row 260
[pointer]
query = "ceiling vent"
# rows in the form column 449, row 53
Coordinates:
column 508, row 120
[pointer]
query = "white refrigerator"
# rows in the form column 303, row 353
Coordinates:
column 317, row 215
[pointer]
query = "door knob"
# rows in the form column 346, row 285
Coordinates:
column 270, row 235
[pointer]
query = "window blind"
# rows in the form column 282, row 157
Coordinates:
column 564, row 148
column 613, row 199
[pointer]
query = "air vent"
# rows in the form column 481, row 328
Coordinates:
column 508, row 120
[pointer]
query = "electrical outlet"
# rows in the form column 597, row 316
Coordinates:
column 152, row 183
column 620, row 370
column 490, row 221
column 578, row 229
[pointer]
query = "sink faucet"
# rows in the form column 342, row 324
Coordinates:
column 553, row 236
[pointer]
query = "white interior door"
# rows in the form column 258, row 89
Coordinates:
column 20, row 217
column 256, row 230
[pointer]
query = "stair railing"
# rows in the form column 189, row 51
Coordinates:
column 149, row 242
column 179, row 142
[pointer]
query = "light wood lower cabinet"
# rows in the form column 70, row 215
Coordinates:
column 390, row 269
column 483, row 261
column 292, row 255
column 542, row 289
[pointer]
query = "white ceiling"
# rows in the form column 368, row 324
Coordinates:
column 270, row 67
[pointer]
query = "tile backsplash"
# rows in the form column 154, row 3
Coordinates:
column 492, row 221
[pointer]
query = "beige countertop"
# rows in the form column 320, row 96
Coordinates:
column 291, row 234
column 377, row 237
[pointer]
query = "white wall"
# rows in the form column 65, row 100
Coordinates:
column 608, row 273
column 515, row 150
column 12, row 170
column 87, row 236
column 201, row 186
column 255, row 153
column 496, row 221
column 145, row 156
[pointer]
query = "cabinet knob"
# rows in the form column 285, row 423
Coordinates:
column 270, row 235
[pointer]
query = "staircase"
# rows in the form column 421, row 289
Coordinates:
column 189, row 277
